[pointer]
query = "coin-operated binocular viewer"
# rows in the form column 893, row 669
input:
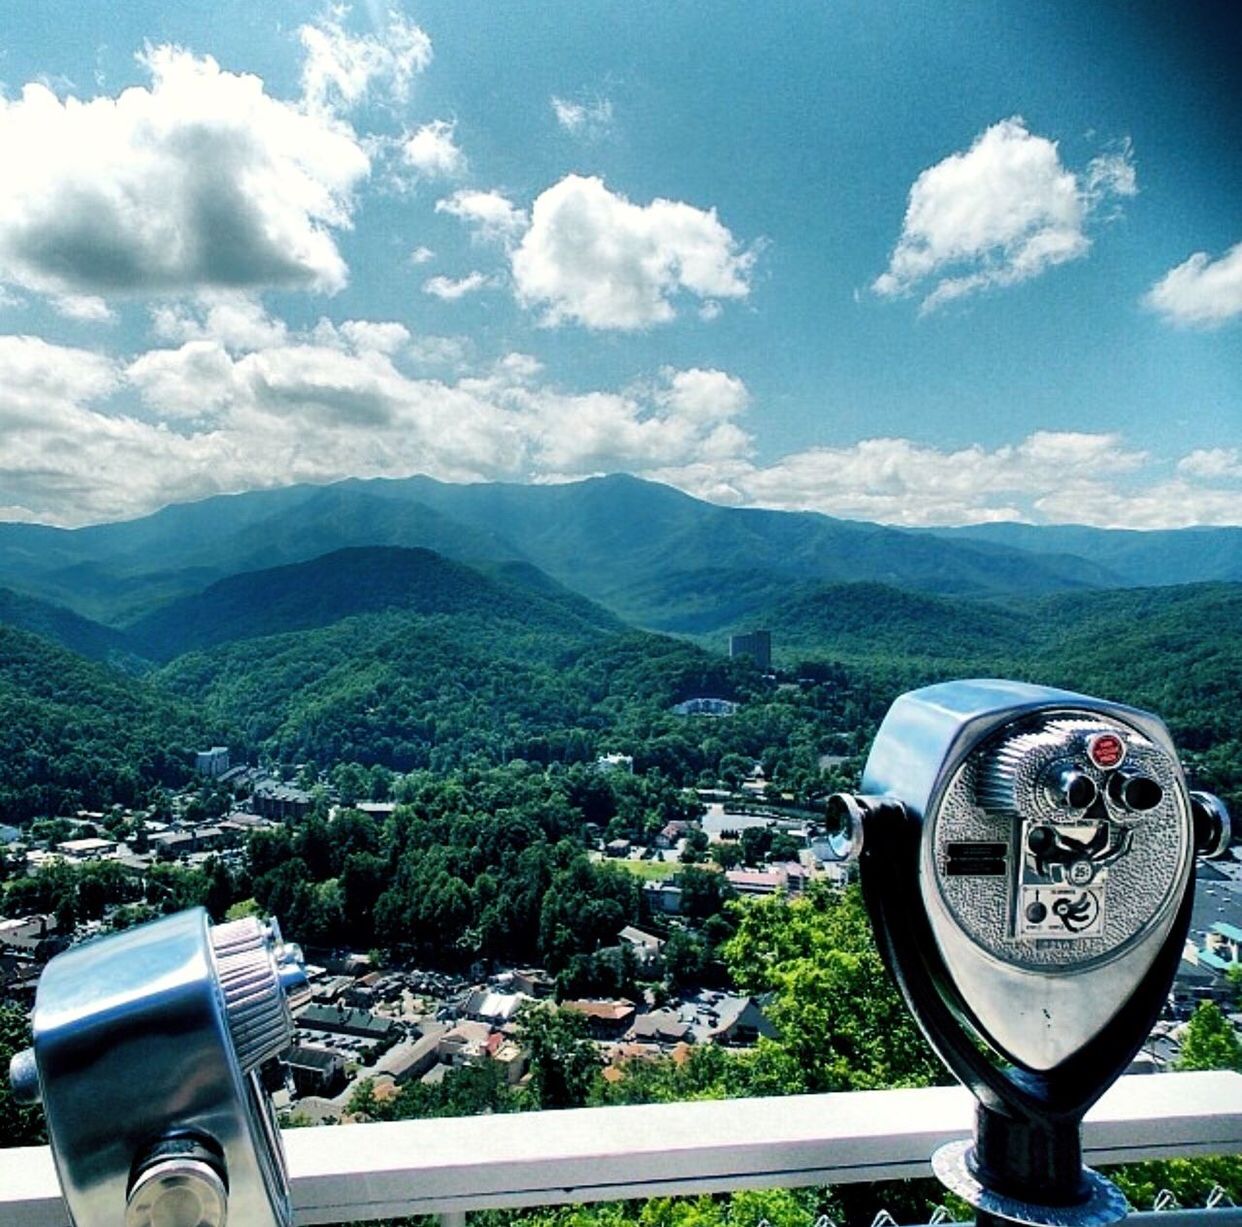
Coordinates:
column 1027, row 860
column 147, row 1047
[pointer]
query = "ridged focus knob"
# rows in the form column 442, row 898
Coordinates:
column 258, row 973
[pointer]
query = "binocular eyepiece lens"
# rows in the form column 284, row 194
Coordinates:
column 1073, row 789
column 1137, row 793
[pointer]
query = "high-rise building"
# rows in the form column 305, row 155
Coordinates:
column 213, row 762
column 755, row 644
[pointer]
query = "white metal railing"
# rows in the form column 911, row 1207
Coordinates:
column 352, row 1173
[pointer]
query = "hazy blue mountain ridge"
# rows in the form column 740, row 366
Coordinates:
column 649, row 553
column 652, row 554
column 62, row 626
column 1147, row 558
column 115, row 572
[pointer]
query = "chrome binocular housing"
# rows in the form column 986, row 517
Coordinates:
column 1027, row 857
column 146, row 1056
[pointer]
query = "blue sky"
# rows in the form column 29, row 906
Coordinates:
column 915, row 263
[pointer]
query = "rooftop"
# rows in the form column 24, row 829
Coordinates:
column 339, row 1018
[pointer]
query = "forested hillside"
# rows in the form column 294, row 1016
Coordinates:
column 74, row 733
column 877, row 624
column 357, row 581
column 478, row 699
column 454, row 666
column 78, row 634
column 438, row 692
column 1176, row 651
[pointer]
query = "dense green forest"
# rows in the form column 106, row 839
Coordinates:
column 441, row 691
column 485, row 669
column 63, row 626
column 1176, row 651
column 76, row 733
column 473, row 864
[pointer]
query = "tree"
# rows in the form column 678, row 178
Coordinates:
column 842, row 1024
column 684, row 958
column 784, row 847
column 696, row 845
column 468, row 1090
column 1210, row 1041
column 1189, row 1180
column 19, row 1125
column 755, row 844
column 703, row 892
column 563, row 1058
column 219, row 896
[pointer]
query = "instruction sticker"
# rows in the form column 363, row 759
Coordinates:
column 1061, row 911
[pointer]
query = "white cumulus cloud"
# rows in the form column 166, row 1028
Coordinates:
column 593, row 257
column 1003, row 211
column 236, row 321
column 200, row 180
column 492, row 216
column 449, row 289
column 433, row 152
column 682, row 418
column 35, row 373
column 1212, row 463
column 899, row 481
column 89, row 437
column 85, row 308
column 385, row 336
column 340, row 70
column 192, row 381
column 1060, row 477
column 704, row 395
column 1201, row 291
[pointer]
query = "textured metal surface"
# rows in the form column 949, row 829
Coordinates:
column 1104, row 1206
column 998, row 795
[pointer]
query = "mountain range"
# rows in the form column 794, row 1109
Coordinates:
column 413, row 624
column 648, row 553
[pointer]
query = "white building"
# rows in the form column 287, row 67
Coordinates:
column 615, row 762
column 87, row 849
